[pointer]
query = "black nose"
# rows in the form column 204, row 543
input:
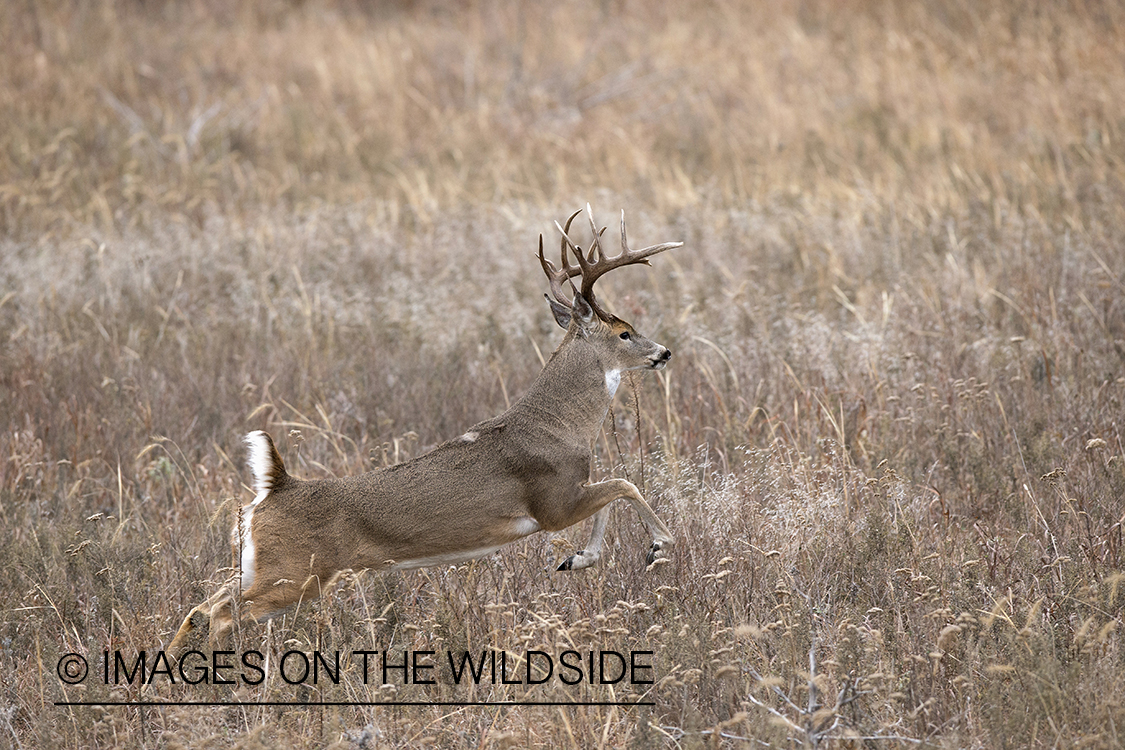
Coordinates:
column 667, row 355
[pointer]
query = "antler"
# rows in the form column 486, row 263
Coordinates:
column 559, row 275
column 593, row 266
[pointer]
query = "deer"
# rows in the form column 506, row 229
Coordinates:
column 519, row 473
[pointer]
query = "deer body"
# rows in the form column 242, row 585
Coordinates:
column 524, row 471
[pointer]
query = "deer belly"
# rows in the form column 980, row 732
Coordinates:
column 495, row 538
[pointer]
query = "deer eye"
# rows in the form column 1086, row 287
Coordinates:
column 625, row 336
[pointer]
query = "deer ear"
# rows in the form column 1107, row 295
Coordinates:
column 560, row 311
column 583, row 312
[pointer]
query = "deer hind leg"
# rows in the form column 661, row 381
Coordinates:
column 589, row 557
column 593, row 500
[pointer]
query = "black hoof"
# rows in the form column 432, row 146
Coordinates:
column 568, row 563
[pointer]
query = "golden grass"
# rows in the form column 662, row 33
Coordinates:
column 120, row 113
column 889, row 443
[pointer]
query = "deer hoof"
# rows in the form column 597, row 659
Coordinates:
column 191, row 632
column 579, row 560
column 657, row 555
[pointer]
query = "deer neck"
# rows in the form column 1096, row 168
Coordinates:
column 575, row 386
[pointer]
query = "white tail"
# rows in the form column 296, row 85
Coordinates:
column 524, row 471
column 267, row 468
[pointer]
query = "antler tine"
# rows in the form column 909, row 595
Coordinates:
column 596, row 256
column 571, row 270
column 598, row 242
column 596, row 251
column 555, row 276
column 624, row 240
column 642, row 255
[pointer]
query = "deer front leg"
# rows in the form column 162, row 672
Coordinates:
column 594, row 499
column 205, row 623
column 212, row 622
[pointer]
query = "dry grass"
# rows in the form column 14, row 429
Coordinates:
column 889, row 444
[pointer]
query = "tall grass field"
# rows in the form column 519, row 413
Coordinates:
column 889, row 442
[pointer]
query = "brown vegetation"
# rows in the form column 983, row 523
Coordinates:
column 889, row 443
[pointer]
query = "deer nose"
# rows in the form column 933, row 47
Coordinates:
column 667, row 355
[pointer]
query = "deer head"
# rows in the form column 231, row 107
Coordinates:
column 582, row 314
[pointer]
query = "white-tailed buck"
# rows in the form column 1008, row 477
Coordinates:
column 524, row 471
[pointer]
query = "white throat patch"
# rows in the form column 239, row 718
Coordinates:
column 612, row 380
